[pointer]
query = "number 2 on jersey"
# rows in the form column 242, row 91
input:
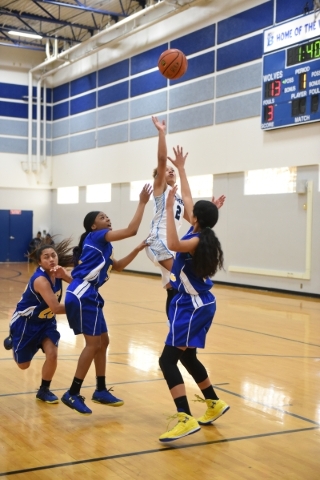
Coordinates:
column 178, row 213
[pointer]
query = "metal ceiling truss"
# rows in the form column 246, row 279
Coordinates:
column 59, row 20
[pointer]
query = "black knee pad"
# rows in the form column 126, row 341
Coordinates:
column 168, row 364
column 193, row 366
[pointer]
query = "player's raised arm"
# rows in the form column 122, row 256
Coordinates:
column 159, row 183
column 179, row 162
column 132, row 228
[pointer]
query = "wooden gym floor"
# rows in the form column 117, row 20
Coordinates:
column 262, row 354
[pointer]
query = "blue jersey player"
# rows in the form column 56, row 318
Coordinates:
column 33, row 324
column 199, row 256
column 84, row 304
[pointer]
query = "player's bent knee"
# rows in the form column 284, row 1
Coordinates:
column 24, row 366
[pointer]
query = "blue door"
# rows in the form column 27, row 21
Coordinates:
column 15, row 235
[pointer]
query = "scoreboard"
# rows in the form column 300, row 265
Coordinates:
column 291, row 73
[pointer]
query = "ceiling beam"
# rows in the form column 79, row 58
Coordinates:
column 40, row 18
column 81, row 7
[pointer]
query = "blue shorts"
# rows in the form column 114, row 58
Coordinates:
column 190, row 318
column 28, row 335
column 84, row 306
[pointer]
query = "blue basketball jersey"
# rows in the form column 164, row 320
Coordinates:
column 96, row 259
column 31, row 304
column 182, row 276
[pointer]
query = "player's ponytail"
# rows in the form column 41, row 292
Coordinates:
column 87, row 223
column 208, row 256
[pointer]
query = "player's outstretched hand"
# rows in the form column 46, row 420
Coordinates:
column 219, row 201
column 145, row 193
column 160, row 126
column 142, row 246
column 180, row 159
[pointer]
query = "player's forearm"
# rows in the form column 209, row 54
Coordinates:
column 119, row 265
column 172, row 235
column 162, row 148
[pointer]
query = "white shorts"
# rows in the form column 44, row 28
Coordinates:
column 165, row 274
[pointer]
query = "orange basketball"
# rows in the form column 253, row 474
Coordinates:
column 172, row 64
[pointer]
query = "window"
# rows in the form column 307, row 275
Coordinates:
column 136, row 187
column 98, row 193
column 270, row 180
column 68, row 195
column 201, row 186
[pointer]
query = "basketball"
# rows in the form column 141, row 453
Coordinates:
column 172, row 64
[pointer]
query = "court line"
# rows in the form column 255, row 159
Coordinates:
column 217, row 386
column 266, row 334
column 155, row 450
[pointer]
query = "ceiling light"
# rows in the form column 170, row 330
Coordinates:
column 22, row 34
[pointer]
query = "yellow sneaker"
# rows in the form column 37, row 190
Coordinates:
column 186, row 426
column 215, row 408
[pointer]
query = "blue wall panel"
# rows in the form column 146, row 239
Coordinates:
column 195, row 92
column 246, row 22
column 287, row 9
column 148, row 105
column 112, row 135
column 60, row 146
column 61, row 128
column 12, row 109
column 83, row 104
column 239, row 80
column 83, row 122
column 196, row 41
column 147, row 60
column 240, row 52
column 61, row 92
column 113, row 73
column 83, row 84
column 197, row 67
column 237, row 108
column 83, row 141
column 196, row 117
column 16, row 92
column 49, row 95
column 147, row 83
column 113, row 94
column 13, row 145
column 144, row 128
column 61, row 110
column 13, row 127
column 113, row 114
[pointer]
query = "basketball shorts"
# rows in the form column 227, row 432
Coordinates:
column 28, row 335
column 190, row 318
column 156, row 252
column 84, row 306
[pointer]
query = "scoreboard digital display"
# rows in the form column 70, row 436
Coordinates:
column 291, row 75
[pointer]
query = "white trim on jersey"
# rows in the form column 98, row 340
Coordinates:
column 93, row 274
column 186, row 283
column 81, row 289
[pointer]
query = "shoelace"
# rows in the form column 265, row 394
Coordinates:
column 203, row 400
column 81, row 398
column 172, row 417
column 199, row 399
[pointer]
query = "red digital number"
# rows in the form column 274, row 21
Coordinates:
column 268, row 113
column 277, row 88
